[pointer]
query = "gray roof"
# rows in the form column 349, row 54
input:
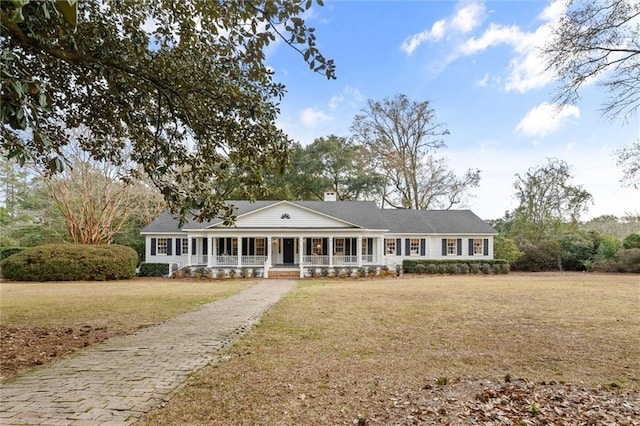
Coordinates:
column 364, row 214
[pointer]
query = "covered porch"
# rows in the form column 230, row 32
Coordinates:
column 284, row 251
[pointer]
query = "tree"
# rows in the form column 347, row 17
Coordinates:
column 629, row 160
column 335, row 164
column 95, row 201
column 598, row 39
column 403, row 136
column 548, row 201
column 185, row 83
column 505, row 248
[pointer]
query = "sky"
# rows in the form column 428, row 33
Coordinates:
column 477, row 64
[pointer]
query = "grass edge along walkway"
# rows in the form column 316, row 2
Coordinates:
column 119, row 380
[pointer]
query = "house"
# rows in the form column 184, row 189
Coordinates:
column 305, row 236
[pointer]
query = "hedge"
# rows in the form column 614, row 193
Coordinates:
column 154, row 269
column 8, row 251
column 70, row 262
column 470, row 266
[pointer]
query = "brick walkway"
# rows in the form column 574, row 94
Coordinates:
column 119, row 380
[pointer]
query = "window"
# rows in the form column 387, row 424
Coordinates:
column 477, row 246
column 316, row 245
column 184, row 249
column 260, row 247
column 452, row 246
column 365, row 246
column 415, row 246
column 339, row 248
column 162, row 246
column 390, row 244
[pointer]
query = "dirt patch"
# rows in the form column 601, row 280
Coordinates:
column 28, row 347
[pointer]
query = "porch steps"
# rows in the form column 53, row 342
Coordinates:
column 280, row 274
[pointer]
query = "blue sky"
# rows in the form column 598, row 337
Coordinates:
column 476, row 62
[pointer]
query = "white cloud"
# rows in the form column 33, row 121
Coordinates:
column 468, row 15
column 311, row 117
column 546, row 118
column 350, row 96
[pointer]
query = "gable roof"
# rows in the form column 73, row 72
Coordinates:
column 362, row 214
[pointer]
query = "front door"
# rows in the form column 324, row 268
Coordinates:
column 288, row 250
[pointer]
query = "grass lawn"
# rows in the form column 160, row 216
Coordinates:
column 42, row 321
column 333, row 349
column 123, row 306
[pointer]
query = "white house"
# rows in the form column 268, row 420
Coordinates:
column 307, row 235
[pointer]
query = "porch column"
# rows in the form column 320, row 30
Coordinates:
column 269, row 249
column 239, row 252
column 301, row 255
column 189, row 250
column 209, row 242
column 330, row 252
column 214, row 251
column 359, row 250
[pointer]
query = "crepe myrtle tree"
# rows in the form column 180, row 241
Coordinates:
column 183, row 83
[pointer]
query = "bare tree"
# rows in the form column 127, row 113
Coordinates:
column 94, row 199
column 598, row 39
column 403, row 136
column 629, row 160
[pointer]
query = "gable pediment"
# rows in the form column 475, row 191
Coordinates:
column 286, row 214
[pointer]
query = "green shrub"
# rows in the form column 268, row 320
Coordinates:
column 631, row 241
column 154, row 269
column 449, row 266
column 8, row 251
column 71, row 262
column 629, row 260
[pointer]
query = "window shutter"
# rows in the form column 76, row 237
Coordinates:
column 325, row 246
column 444, row 246
column 205, row 246
column 193, row 246
column 153, row 247
column 252, row 246
column 423, row 247
column 398, row 246
column 470, row 246
column 309, row 251
column 486, row 246
column 178, row 247
column 169, row 242
column 459, row 246
column 245, row 246
column 369, row 246
column 407, row 246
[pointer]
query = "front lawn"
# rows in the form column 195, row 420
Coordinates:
column 411, row 350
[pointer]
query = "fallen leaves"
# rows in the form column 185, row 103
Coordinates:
column 520, row 402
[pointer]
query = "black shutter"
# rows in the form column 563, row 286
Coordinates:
column 205, row 246
column 178, row 247
column 169, row 242
column 486, row 246
column 153, row 247
column 245, row 246
column 470, row 246
column 459, row 246
column 407, row 246
column 325, row 246
column 193, row 246
column 399, row 247
column 369, row 246
column 252, row 246
column 444, row 246
column 423, row 247
column 309, row 250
